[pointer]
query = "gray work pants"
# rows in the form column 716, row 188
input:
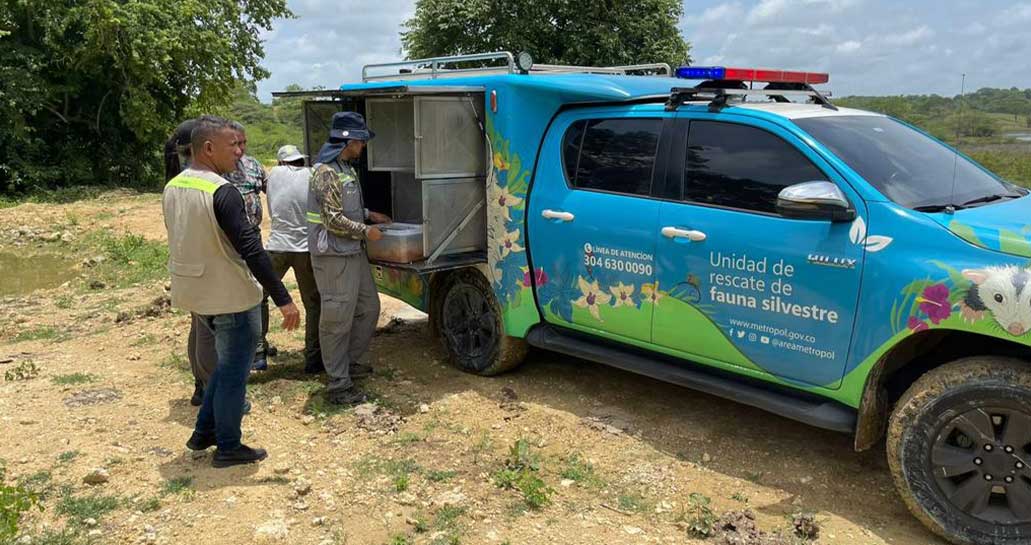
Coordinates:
column 300, row 262
column 200, row 349
column 350, row 310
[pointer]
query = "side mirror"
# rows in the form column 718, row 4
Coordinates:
column 815, row 201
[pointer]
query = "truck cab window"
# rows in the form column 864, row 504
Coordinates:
column 741, row 167
column 616, row 155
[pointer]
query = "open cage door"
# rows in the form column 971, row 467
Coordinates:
column 449, row 139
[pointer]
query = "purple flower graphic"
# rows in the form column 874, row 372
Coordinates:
column 916, row 324
column 935, row 303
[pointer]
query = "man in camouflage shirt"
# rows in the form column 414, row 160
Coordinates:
column 337, row 231
column 250, row 178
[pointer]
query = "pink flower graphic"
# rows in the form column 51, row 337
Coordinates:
column 917, row 325
column 935, row 303
column 540, row 277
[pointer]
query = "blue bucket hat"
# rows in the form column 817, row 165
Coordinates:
column 346, row 126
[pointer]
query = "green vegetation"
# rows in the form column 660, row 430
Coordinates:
column 439, row 476
column 149, row 505
column 67, row 456
column 178, row 485
column 555, row 31
column 80, row 508
column 15, row 500
column 42, row 333
column 701, row 520
column 269, row 126
column 80, row 74
column 581, row 471
column 521, row 473
column 73, row 378
column 26, row 370
column 401, row 482
column 634, row 503
column 131, row 259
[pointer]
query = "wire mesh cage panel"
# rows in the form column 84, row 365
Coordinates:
column 393, row 121
column 449, row 141
column 450, row 204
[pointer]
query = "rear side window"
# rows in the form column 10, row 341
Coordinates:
column 741, row 167
column 614, row 155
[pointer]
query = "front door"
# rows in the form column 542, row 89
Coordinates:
column 744, row 286
column 592, row 222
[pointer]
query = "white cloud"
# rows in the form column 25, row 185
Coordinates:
column 848, row 47
column 912, row 37
column 716, row 14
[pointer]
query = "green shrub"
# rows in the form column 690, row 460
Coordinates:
column 15, row 500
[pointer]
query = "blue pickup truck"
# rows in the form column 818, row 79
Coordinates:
column 728, row 230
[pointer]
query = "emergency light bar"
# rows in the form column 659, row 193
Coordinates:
column 750, row 74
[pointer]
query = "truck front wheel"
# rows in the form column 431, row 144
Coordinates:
column 469, row 323
column 959, row 447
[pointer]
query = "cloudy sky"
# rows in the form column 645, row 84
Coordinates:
column 870, row 47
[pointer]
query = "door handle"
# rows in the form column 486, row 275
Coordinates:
column 692, row 235
column 555, row 215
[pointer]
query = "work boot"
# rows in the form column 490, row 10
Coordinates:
column 200, row 442
column 238, row 456
column 350, row 396
column 314, row 368
column 198, row 394
column 260, row 363
column 271, row 351
column 360, row 370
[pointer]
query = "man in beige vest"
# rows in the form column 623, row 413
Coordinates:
column 218, row 270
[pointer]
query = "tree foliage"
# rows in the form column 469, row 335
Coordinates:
column 269, row 126
column 601, row 33
column 93, row 87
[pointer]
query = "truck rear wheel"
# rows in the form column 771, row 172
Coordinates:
column 959, row 447
column 470, row 326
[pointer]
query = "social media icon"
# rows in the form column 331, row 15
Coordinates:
column 765, row 340
column 741, row 334
column 752, row 337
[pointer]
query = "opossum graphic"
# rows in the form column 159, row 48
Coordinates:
column 1003, row 292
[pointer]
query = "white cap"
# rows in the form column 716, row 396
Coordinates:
column 289, row 153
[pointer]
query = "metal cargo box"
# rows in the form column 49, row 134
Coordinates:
column 393, row 121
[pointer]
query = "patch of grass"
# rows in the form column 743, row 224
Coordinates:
column 26, row 370
column 447, row 517
column 400, row 539
column 39, row 483
column 67, row 456
column 42, row 333
column 80, row 508
column 131, row 259
column 701, row 520
column 737, row 496
column 485, row 445
column 274, row 479
column 104, row 215
column 401, row 482
column 145, row 340
column 421, row 526
column 62, row 195
column 634, row 503
column 64, row 537
column 177, row 362
column 64, row 301
column 387, row 373
column 73, row 378
column 407, row 438
column 72, row 218
column 441, row 476
column 521, row 473
column 581, row 471
column 178, row 485
column 149, row 505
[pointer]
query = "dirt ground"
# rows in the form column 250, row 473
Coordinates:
column 621, row 455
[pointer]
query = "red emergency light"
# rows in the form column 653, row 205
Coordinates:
column 750, row 74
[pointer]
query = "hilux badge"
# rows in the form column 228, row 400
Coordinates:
column 828, row 261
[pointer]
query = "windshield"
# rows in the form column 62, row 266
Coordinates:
column 907, row 166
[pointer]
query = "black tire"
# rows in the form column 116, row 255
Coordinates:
column 469, row 325
column 959, row 443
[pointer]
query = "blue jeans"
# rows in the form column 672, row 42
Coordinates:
column 236, row 336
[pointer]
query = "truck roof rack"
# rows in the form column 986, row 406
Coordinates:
column 720, row 92
column 500, row 62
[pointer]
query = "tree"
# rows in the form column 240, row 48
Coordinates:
column 601, row 33
column 93, row 87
